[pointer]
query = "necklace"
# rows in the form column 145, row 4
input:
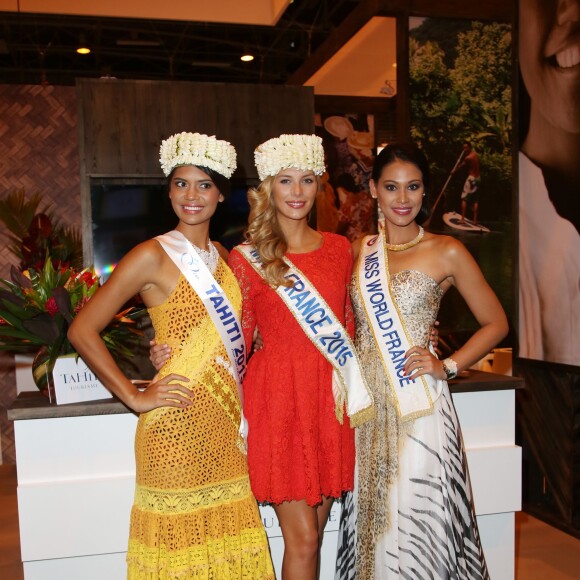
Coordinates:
column 209, row 257
column 406, row 246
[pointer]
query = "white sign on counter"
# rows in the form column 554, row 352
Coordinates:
column 75, row 382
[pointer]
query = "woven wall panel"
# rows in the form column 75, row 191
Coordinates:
column 38, row 152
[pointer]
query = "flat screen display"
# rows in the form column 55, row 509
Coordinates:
column 127, row 212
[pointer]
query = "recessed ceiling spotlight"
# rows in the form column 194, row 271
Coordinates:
column 246, row 57
column 83, row 46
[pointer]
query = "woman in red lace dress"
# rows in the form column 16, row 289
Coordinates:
column 300, row 442
column 300, row 456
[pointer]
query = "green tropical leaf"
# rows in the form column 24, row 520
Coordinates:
column 11, row 298
column 19, row 278
column 43, row 326
column 32, row 232
column 63, row 303
column 10, row 309
column 17, row 212
column 8, row 331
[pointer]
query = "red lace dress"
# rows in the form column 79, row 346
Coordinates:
column 297, row 450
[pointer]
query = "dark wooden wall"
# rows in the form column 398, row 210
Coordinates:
column 549, row 432
column 122, row 123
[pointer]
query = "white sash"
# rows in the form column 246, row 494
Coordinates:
column 328, row 335
column 184, row 255
column 413, row 398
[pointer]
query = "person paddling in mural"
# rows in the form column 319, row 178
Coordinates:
column 412, row 507
column 194, row 514
column 470, row 193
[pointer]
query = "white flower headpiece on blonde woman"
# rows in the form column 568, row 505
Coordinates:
column 303, row 152
column 197, row 149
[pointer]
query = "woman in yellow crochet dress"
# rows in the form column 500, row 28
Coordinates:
column 194, row 515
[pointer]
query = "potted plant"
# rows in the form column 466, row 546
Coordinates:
column 37, row 307
column 41, row 298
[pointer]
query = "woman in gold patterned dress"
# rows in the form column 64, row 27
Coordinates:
column 194, row 514
column 411, row 514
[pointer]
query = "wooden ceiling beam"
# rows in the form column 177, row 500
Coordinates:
column 365, row 10
column 497, row 10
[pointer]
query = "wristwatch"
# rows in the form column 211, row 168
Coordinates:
column 450, row 368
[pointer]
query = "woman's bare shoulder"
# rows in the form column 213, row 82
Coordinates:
column 149, row 251
column 144, row 259
column 448, row 245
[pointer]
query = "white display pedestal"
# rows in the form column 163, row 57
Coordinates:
column 76, row 481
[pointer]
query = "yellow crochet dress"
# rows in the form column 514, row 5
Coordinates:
column 194, row 514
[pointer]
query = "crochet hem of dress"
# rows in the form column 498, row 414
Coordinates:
column 257, row 555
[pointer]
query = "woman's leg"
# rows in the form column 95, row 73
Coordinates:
column 322, row 512
column 299, row 523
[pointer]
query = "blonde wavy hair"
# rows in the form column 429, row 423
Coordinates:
column 265, row 233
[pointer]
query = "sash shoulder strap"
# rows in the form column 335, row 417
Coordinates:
column 413, row 398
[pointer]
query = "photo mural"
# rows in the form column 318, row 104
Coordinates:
column 549, row 181
column 460, row 102
column 344, row 205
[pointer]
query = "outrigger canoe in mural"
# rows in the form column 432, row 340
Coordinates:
column 454, row 220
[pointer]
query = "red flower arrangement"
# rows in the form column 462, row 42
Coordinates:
column 41, row 298
column 38, row 305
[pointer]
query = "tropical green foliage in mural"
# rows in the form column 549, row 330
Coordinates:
column 460, row 87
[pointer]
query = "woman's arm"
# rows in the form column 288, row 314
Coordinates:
column 465, row 275
column 348, row 311
column 482, row 302
column 131, row 276
column 243, row 273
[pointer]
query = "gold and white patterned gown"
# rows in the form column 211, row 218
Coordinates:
column 411, row 515
column 194, row 515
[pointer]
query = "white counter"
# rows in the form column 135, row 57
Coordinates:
column 76, row 474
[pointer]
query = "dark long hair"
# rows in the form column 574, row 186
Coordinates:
column 409, row 153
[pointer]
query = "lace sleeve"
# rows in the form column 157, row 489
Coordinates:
column 243, row 272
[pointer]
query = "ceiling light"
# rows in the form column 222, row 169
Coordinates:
column 246, row 57
column 83, row 46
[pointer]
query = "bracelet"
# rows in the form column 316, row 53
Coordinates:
column 450, row 368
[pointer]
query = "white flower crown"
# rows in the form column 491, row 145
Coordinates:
column 300, row 151
column 197, row 149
